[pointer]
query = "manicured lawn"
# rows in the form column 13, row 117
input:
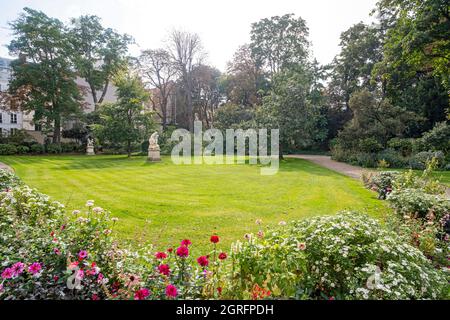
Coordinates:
column 164, row 203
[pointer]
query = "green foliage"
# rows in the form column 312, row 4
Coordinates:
column 419, row 161
column 53, row 148
column 124, row 124
column 403, row 145
column 7, row 149
column 42, row 79
column 8, row 180
column 290, row 108
column 437, row 139
column 37, row 148
column 279, row 42
column 98, row 53
column 347, row 256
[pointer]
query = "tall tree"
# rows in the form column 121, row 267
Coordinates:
column 186, row 50
column 206, row 92
column 351, row 71
column 157, row 68
column 44, row 69
column 98, row 54
column 125, row 123
column 278, row 42
column 244, row 80
column 290, row 108
column 418, row 34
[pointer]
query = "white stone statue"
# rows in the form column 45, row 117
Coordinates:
column 153, row 141
column 153, row 148
column 90, row 147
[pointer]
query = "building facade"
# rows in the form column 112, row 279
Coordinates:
column 11, row 121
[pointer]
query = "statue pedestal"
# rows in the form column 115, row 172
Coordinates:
column 90, row 151
column 154, row 155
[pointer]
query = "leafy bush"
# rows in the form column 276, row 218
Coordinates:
column 347, row 256
column 37, row 148
column 8, row 180
column 419, row 160
column 370, row 145
column 416, row 203
column 366, row 160
column 23, row 149
column 53, row 148
column 70, row 147
column 393, row 158
column 381, row 182
column 437, row 139
column 7, row 149
column 404, row 146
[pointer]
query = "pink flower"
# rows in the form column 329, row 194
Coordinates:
column 95, row 297
column 214, row 239
column 82, row 254
column 164, row 269
column 79, row 275
column 302, row 246
column 171, row 291
column 160, row 255
column 100, row 278
column 57, row 251
column 183, row 252
column 186, row 242
column 222, row 256
column 18, row 268
column 72, row 265
column 34, row 268
column 7, row 273
column 203, row 261
column 141, row 294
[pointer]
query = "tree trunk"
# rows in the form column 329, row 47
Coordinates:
column 57, row 130
column 129, row 149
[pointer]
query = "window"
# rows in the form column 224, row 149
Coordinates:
column 1, row 117
column 13, row 118
column 13, row 131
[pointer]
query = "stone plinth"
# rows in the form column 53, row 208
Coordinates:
column 154, row 155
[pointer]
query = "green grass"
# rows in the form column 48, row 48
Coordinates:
column 164, row 203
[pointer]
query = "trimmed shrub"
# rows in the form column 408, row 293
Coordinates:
column 53, row 148
column 37, row 148
column 366, row 160
column 404, row 146
column 23, row 149
column 370, row 145
column 7, row 149
column 437, row 139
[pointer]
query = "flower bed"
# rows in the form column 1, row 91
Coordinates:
column 47, row 253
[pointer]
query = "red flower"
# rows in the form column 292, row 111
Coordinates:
column 171, row 291
column 183, row 252
column 52, row 234
column 160, row 255
column 170, row 250
column 222, row 256
column 219, row 290
column 203, row 261
column 331, row 298
column 214, row 239
column 55, row 278
column 141, row 294
column 164, row 269
column 95, row 297
column 186, row 242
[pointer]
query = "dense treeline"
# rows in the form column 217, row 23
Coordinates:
column 384, row 99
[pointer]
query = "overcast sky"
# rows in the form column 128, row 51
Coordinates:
column 223, row 25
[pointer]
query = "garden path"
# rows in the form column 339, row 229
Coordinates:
column 344, row 168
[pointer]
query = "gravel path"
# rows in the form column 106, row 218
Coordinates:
column 325, row 161
column 346, row 169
